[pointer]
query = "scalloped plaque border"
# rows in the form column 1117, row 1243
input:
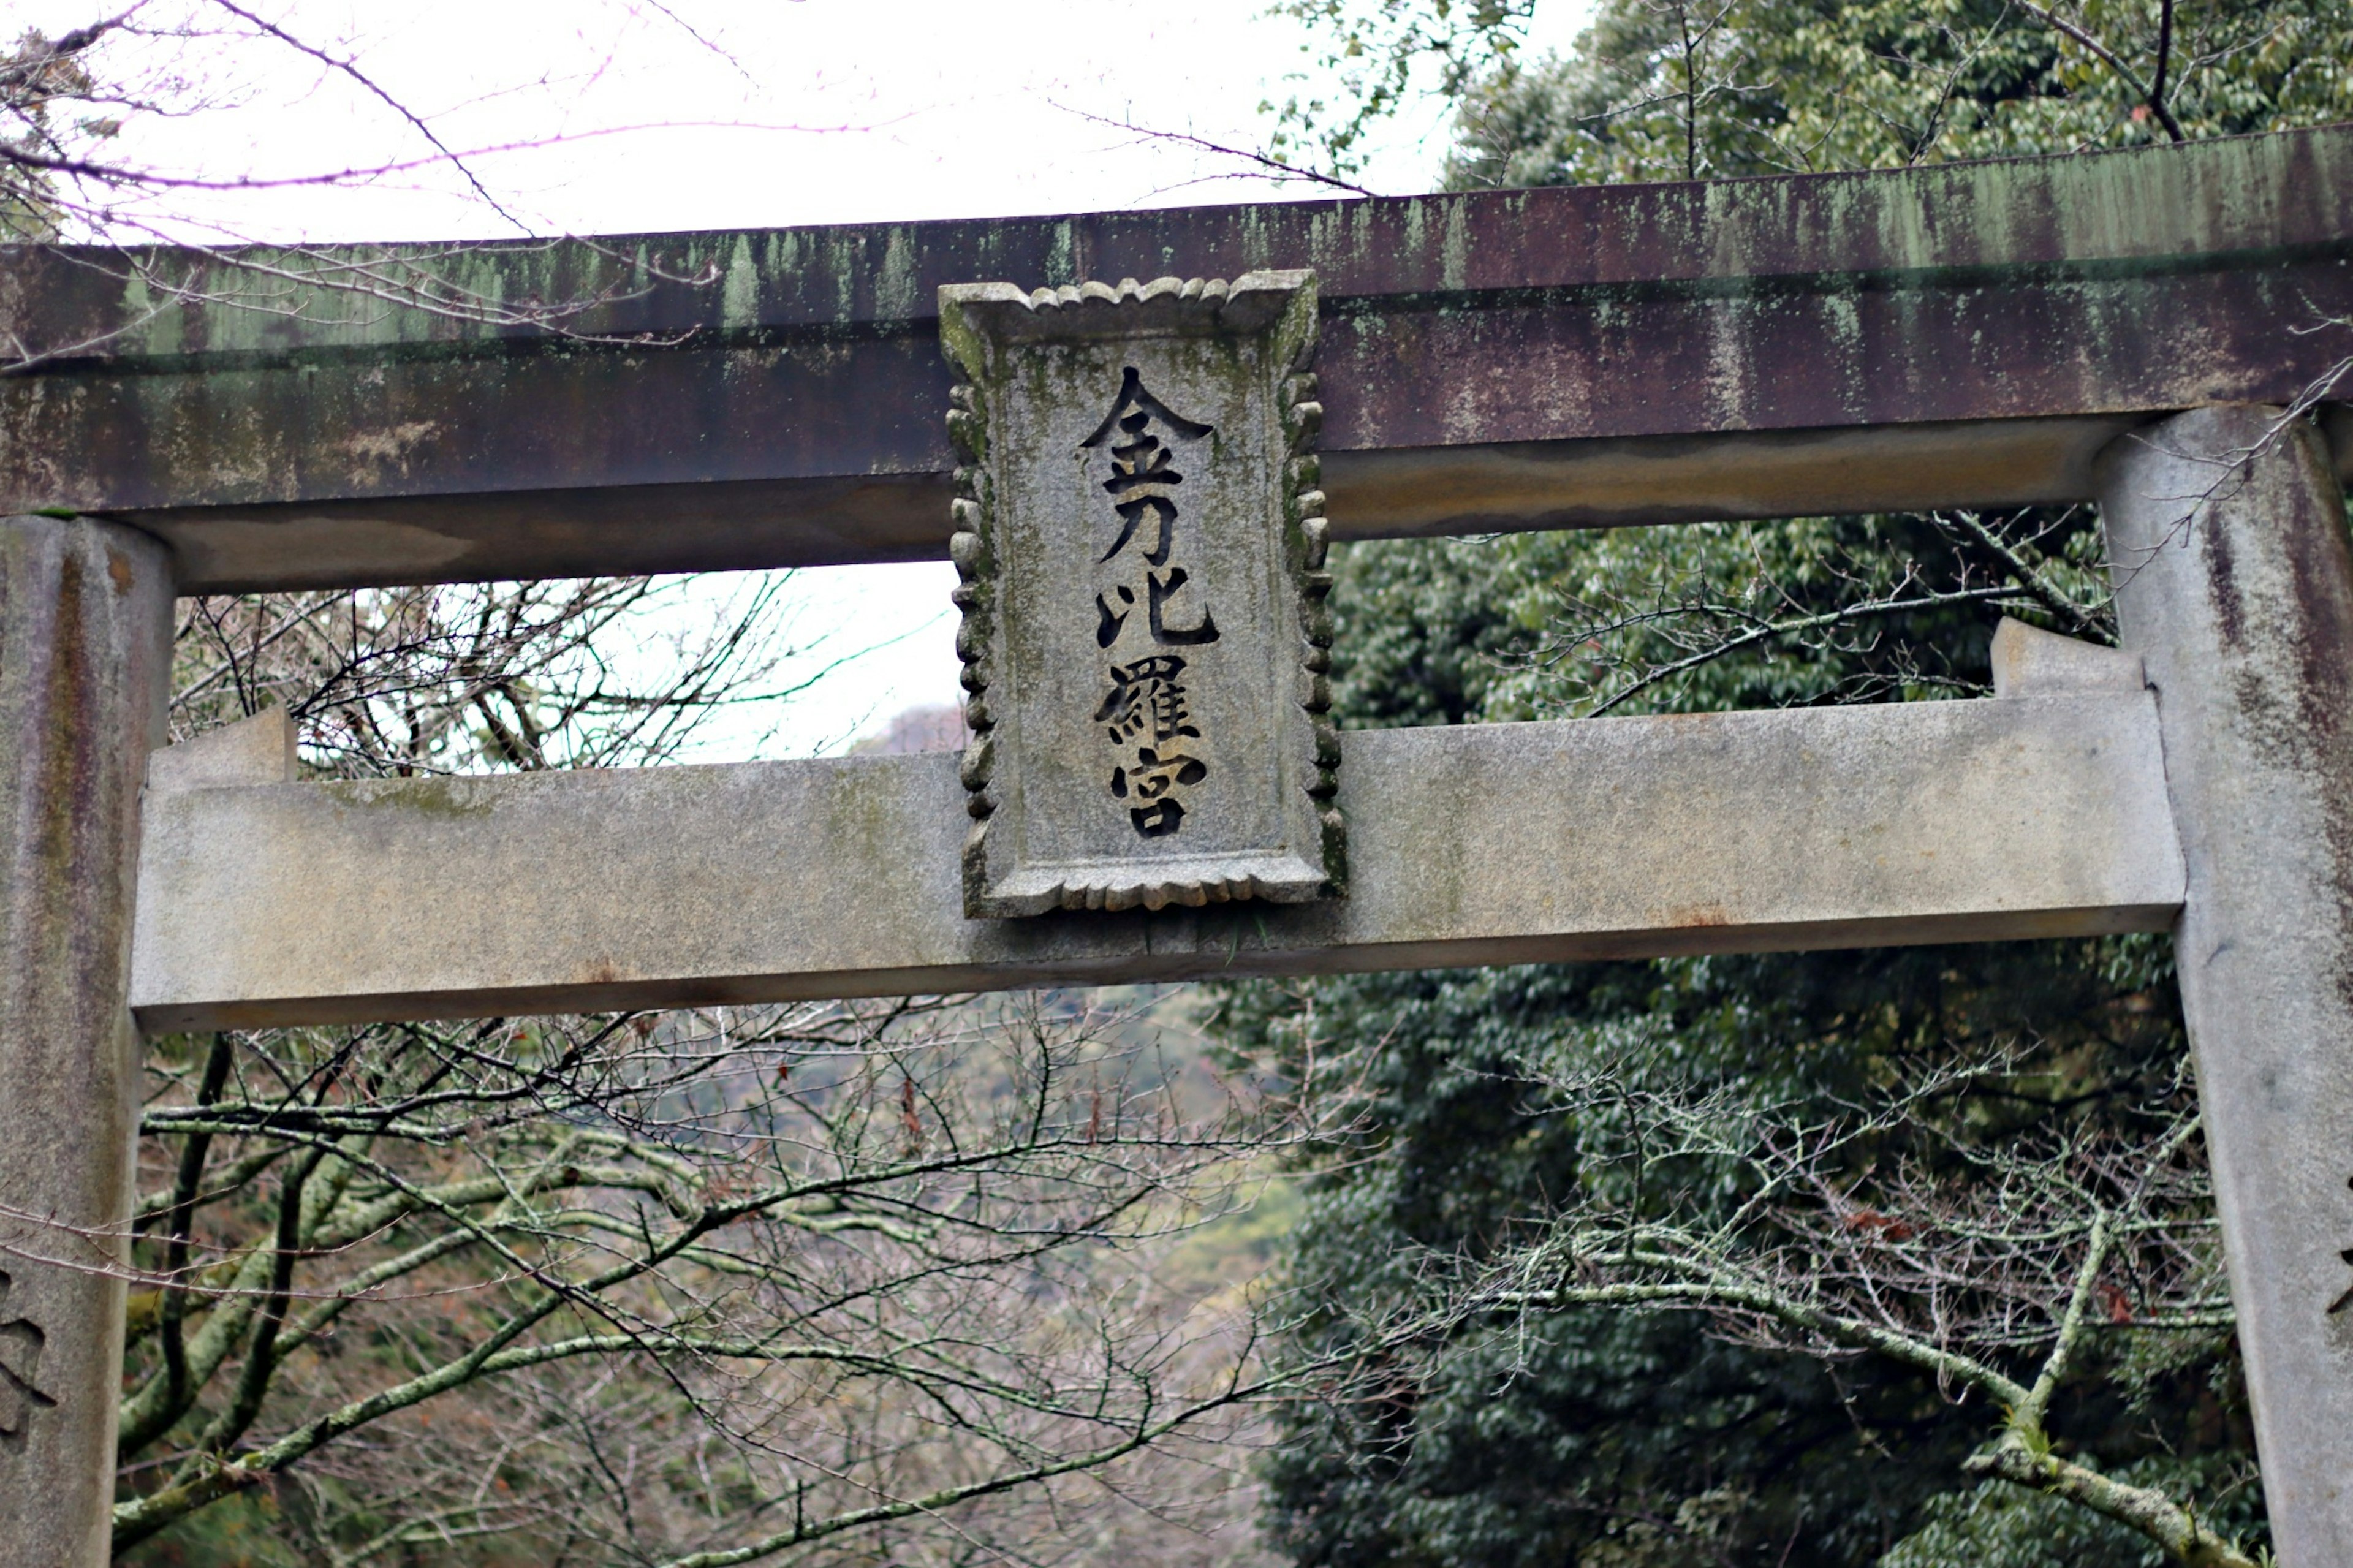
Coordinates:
column 1281, row 303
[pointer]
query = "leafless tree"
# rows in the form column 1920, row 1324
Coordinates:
column 69, row 187
column 694, row 1288
column 1995, row 1268
column 837, row 1280
column 1642, row 623
column 587, row 672
column 689, row 1290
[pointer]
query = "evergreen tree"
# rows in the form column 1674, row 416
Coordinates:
column 1603, row 1435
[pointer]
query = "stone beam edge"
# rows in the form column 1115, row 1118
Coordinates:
column 1881, row 795
column 1411, row 492
column 748, row 990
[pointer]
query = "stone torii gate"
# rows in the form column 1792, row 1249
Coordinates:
column 2125, row 327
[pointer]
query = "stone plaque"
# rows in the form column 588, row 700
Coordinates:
column 1141, row 541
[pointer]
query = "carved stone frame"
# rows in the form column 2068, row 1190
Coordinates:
column 984, row 328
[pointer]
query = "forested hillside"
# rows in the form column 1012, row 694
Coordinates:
column 1566, row 1171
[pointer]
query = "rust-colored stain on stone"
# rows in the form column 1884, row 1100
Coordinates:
column 84, row 660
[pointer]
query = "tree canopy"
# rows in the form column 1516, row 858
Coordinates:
column 1551, row 1157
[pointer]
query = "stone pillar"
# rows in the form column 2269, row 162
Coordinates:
column 2227, row 544
column 85, row 663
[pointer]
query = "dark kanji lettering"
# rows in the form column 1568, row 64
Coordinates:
column 1141, row 462
column 1134, row 511
column 1133, row 400
column 1154, row 773
column 1145, row 706
column 1146, row 700
column 1107, row 626
column 1159, row 590
column 1160, row 819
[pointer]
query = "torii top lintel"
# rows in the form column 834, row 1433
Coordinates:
column 1961, row 335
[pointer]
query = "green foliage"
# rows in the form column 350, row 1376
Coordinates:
column 1376, row 56
column 1699, row 618
column 1600, row 1436
column 42, row 79
column 1616, row 1437
column 2001, row 1526
column 1610, row 1437
column 243, row 1533
column 260, row 1529
column 1661, row 89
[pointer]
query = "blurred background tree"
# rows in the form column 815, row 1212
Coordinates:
column 910, row 1280
column 1611, row 1412
column 917, row 1279
column 339, row 1223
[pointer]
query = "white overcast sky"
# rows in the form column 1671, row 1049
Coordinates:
column 629, row 115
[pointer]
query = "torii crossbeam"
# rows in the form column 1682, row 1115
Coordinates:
column 2126, row 328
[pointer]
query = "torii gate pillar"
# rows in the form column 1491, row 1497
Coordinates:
column 84, row 660
column 2227, row 541
column 1596, row 357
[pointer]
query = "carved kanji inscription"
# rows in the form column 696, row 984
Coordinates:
column 1141, row 543
column 21, row 1341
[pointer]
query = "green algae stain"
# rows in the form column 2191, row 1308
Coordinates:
column 739, row 288
column 897, row 284
column 1454, row 256
column 444, row 798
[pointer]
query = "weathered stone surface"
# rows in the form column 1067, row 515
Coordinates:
column 259, row 750
column 85, row 639
column 2029, row 662
column 1388, row 494
column 1141, row 543
column 1510, row 842
column 2235, row 583
column 1587, row 340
